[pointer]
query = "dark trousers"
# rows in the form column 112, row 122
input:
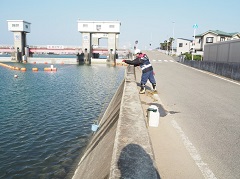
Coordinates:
column 148, row 76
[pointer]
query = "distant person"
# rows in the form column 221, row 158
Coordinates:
column 78, row 57
column 143, row 61
column 19, row 55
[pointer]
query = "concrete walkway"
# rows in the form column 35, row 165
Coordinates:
column 171, row 156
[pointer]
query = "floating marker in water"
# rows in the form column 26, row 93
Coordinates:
column 95, row 127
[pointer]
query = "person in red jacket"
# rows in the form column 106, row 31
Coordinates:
column 143, row 61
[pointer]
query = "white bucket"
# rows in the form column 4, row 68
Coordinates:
column 153, row 116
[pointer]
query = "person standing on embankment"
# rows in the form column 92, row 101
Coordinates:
column 143, row 61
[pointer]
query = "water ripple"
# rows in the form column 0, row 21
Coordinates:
column 45, row 118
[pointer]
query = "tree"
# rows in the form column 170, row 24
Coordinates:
column 170, row 41
column 163, row 46
column 167, row 44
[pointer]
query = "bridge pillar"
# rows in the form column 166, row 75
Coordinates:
column 20, row 29
column 112, row 47
column 87, row 46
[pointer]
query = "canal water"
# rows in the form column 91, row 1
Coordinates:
column 46, row 117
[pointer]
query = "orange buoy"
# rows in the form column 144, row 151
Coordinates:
column 34, row 69
column 45, row 62
column 50, row 69
column 16, row 68
column 23, row 69
column 34, row 62
column 47, row 69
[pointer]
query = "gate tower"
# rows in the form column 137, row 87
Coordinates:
column 92, row 31
column 20, row 28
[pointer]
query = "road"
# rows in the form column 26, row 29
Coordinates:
column 199, row 131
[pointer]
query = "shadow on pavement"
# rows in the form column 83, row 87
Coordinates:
column 134, row 162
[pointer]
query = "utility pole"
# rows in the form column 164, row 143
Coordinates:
column 173, row 36
column 167, row 46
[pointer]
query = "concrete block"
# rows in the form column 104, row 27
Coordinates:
column 227, row 70
column 236, row 71
column 219, row 68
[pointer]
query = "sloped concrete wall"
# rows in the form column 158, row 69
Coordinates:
column 96, row 161
column 121, row 148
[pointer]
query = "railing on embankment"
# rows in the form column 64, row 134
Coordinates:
column 121, row 147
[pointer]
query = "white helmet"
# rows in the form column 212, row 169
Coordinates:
column 137, row 51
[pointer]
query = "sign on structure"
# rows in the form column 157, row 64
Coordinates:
column 18, row 26
column 195, row 26
column 99, row 26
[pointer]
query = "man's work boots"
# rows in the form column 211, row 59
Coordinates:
column 154, row 87
column 142, row 90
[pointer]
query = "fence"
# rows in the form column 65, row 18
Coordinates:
column 228, row 52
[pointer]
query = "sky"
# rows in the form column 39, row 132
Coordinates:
column 54, row 22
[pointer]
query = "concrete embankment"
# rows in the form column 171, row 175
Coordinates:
column 59, row 60
column 229, row 70
column 121, row 147
column 68, row 60
column 6, row 59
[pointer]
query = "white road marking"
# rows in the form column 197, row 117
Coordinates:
column 207, row 173
column 203, row 167
column 160, row 61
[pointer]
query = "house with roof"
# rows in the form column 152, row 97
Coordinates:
column 183, row 45
column 213, row 36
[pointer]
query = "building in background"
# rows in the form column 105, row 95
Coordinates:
column 211, row 36
column 183, row 46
